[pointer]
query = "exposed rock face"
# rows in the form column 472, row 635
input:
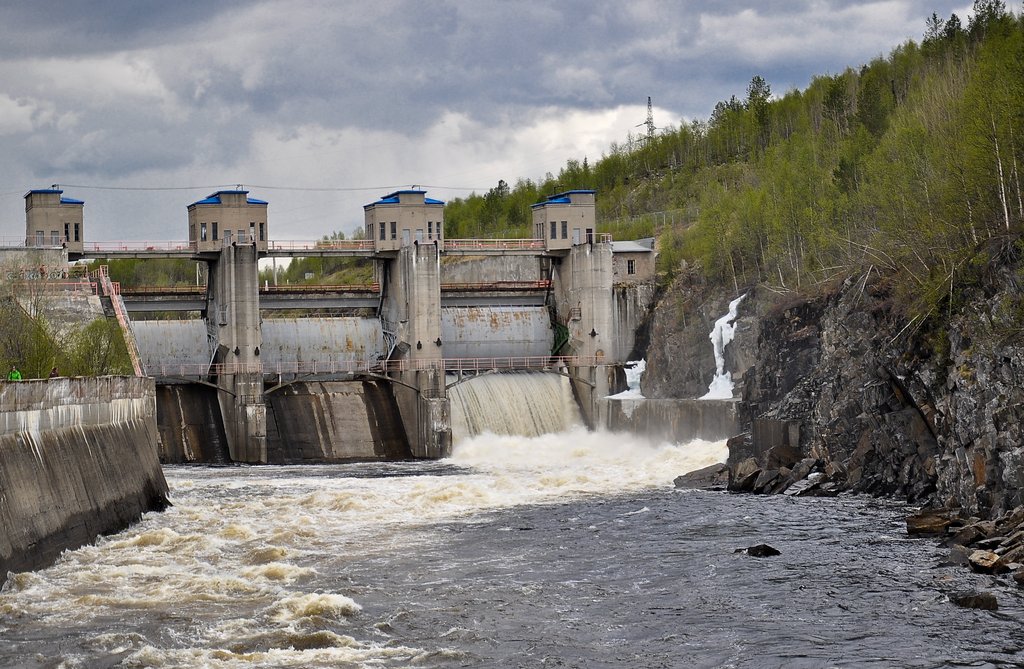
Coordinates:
column 680, row 357
column 869, row 400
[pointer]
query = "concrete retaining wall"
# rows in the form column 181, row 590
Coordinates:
column 78, row 458
column 673, row 420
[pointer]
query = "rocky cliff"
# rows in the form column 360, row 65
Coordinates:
column 845, row 388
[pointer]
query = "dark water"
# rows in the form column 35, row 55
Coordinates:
column 560, row 562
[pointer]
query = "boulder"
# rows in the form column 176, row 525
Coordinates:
column 975, row 600
column 1012, row 555
column 760, row 550
column 782, row 456
column 985, row 562
column 959, row 556
column 714, row 477
column 765, row 479
column 929, row 522
column 741, row 479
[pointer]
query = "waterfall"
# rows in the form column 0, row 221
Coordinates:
column 513, row 403
column 721, row 386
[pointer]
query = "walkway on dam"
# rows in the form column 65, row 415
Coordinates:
column 322, row 248
column 356, row 367
column 193, row 298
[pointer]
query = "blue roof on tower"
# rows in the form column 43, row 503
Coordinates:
column 215, row 197
column 54, row 191
column 392, row 198
column 562, row 198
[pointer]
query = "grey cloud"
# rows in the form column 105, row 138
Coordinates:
column 231, row 69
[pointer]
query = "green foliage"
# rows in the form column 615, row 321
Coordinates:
column 332, row 271
column 910, row 163
column 164, row 272
column 35, row 346
column 94, row 350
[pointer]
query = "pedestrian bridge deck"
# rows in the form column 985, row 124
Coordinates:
column 349, row 368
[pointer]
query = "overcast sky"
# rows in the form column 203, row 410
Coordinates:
column 364, row 97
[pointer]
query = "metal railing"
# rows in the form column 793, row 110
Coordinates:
column 98, row 247
column 322, row 245
column 366, row 245
column 113, row 290
column 493, row 244
column 54, row 287
column 497, row 285
column 326, row 367
column 482, row 286
column 140, row 291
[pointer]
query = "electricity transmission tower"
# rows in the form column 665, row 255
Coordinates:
column 650, row 120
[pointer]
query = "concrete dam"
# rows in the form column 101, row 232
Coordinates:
column 334, row 387
column 258, row 374
column 452, row 337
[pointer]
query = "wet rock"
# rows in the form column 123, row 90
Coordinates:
column 969, row 534
column 1018, row 578
column 959, row 556
column 714, row 477
column 1011, row 556
column 760, row 550
column 975, row 600
column 929, row 522
column 782, row 456
column 805, row 486
column 985, row 562
column 743, row 476
column 765, row 479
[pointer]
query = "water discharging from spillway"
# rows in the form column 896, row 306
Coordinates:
column 527, row 404
column 332, row 566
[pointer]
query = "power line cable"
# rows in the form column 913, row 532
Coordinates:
column 325, row 189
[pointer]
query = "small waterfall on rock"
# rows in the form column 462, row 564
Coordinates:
column 513, row 403
column 721, row 386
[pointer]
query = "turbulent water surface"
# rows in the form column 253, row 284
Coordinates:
column 568, row 550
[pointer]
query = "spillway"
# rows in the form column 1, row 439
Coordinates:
column 527, row 404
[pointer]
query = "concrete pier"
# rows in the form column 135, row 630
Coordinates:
column 411, row 306
column 235, row 338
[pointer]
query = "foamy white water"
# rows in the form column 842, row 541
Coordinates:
column 244, row 555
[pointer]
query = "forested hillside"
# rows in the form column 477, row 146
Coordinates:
column 910, row 164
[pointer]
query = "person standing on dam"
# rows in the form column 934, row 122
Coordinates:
column 14, row 374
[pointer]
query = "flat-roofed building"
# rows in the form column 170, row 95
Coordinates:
column 402, row 218
column 53, row 220
column 227, row 217
column 565, row 219
column 633, row 262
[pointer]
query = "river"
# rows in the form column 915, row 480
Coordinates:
column 565, row 550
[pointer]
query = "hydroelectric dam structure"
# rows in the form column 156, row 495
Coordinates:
column 240, row 377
